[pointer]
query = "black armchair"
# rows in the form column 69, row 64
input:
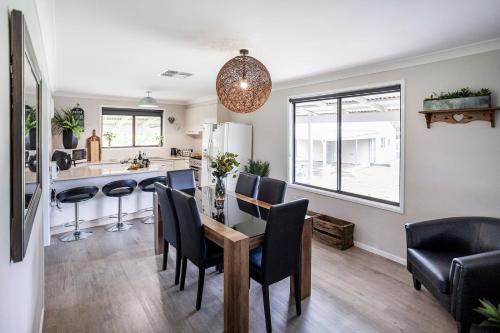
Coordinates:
column 458, row 260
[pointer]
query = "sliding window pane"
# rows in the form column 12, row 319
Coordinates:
column 316, row 144
column 120, row 127
column 147, row 130
column 370, row 128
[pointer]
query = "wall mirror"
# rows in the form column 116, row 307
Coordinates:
column 26, row 128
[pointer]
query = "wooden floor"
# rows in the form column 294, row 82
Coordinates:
column 112, row 282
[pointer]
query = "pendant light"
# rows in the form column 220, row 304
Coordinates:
column 148, row 102
column 243, row 84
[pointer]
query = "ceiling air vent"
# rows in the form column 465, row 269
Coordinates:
column 175, row 74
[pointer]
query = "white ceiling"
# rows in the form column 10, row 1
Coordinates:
column 117, row 47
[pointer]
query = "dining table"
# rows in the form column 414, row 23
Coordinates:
column 237, row 223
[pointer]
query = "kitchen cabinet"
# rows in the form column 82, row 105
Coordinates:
column 204, row 113
column 181, row 164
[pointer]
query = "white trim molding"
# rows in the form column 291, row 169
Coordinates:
column 71, row 94
column 387, row 255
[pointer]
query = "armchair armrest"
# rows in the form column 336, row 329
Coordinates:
column 436, row 233
column 473, row 277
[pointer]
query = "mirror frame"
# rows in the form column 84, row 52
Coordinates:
column 22, row 54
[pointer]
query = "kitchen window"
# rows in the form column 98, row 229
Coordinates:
column 131, row 127
column 348, row 144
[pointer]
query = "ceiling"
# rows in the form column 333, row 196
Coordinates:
column 118, row 47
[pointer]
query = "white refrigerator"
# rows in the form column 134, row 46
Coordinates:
column 221, row 138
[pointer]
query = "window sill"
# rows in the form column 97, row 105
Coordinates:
column 379, row 205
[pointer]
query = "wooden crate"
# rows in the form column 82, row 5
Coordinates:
column 333, row 231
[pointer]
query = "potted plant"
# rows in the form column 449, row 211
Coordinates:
column 160, row 138
column 464, row 98
column 66, row 123
column 490, row 312
column 30, row 128
column 109, row 136
column 258, row 167
column 222, row 166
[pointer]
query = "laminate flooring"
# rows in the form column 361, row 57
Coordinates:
column 112, row 282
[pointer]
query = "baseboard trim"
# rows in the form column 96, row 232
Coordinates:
column 40, row 329
column 381, row 253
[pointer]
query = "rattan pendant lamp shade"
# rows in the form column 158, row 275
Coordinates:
column 243, row 84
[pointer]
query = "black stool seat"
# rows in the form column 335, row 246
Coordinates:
column 119, row 188
column 148, row 184
column 77, row 194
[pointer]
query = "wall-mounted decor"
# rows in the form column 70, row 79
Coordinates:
column 79, row 115
column 459, row 107
column 243, row 84
column 26, row 134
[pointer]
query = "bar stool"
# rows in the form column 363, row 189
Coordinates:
column 148, row 185
column 119, row 189
column 76, row 195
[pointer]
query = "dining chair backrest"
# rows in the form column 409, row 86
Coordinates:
column 181, row 179
column 191, row 229
column 271, row 190
column 282, row 240
column 247, row 184
column 168, row 214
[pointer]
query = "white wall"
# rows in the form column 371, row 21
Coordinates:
column 450, row 170
column 21, row 284
column 174, row 133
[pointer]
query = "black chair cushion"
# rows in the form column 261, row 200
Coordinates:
column 77, row 194
column 435, row 266
column 119, row 188
column 247, row 184
column 148, row 184
column 271, row 190
column 181, row 179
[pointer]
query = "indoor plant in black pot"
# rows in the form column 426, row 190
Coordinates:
column 30, row 128
column 66, row 123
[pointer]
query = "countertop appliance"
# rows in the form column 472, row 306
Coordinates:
column 186, row 152
column 173, row 151
column 221, row 138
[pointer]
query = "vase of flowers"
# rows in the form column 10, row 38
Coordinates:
column 222, row 166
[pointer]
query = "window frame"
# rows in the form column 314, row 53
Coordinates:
column 339, row 194
column 131, row 111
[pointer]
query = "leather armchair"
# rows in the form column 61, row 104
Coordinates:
column 458, row 260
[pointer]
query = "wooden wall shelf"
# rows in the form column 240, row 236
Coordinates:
column 460, row 116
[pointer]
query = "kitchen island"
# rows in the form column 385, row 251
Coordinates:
column 98, row 210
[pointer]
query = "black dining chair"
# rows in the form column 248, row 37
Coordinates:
column 200, row 251
column 181, row 179
column 171, row 234
column 271, row 190
column 247, row 184
column 279, row 255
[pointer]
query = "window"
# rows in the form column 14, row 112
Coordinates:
column 131, row 127
column 349, row 143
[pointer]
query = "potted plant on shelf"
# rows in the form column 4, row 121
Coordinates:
column 464, row 98
column 30, row 128
column 222, row 166
column 109, row 136
column 66, row 123
column 258, row 167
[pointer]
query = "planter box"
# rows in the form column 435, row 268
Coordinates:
column 458, row 103
column 332, row 231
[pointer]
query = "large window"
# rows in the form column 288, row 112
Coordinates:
column 349, row 143
column 131, row 127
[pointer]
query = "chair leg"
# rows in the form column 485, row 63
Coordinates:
column 178, row 264
column 297, row 293
column 183, row 272
column 463, row 327
column 267, row 308
column 201, row 280
column 165, row 254
column 416, row 284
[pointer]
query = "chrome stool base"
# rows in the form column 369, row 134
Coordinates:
column 148, row 220
column 75, row 236
column 120, row 226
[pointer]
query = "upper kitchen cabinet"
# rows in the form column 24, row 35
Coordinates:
column 204, row 113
